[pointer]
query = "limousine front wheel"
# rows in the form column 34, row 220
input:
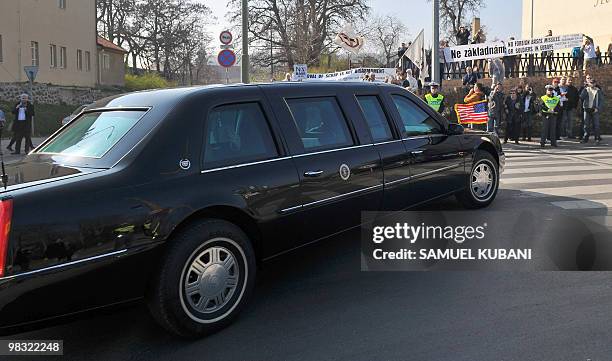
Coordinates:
column 483, row 182
column 204, row 280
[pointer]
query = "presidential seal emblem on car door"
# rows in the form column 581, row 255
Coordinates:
column 345, row 172
column 185, row 164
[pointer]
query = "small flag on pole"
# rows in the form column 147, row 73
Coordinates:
column 473, row 113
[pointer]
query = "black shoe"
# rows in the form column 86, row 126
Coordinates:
column 584, row 141
column 542, row 146
column 10, row 148
column 554, row 146
column 516, row 142
column 529, row 139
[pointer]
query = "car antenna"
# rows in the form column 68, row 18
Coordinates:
column 4, row 176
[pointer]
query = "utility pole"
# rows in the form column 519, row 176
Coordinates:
column 435, row 52
column 245, row 42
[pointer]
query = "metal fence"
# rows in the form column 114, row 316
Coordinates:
column 528, row 65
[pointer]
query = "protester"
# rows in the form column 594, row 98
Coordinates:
column 577, row 58
column 609, row 53
column 372, row 77
column 592, row 102
column 590, row 58
column 496, row 108
column 413, row 84
column 476, row 94
column 547, row 56
column 598, row 56
column 569, row 108
column 496, row 71
column 513, row 106
column 550, row 110
column 529, row 109
column 442, row 61
column 470, row 78
column 510, row 64
column 463, row 36
column 434, row 99
column 288, row 77
column 22, row 126
column 2, row 120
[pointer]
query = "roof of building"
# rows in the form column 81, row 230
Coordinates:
column 107, row 44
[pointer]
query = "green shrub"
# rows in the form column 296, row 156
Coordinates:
column 146, row 81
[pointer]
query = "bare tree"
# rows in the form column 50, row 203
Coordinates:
column 456, row 13
column 298, row 31
column 387, row 33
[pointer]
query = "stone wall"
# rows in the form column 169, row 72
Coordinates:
column 54, row 94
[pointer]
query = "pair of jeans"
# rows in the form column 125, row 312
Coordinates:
column 493, row 124
column 591, row 126
column 549, row 129
column 567, row 122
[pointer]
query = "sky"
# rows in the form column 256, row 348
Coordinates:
column 502, row 17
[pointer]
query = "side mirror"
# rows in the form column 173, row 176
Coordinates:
column 455, row 129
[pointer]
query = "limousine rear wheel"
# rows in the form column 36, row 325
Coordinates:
column 204, row 280
column 483, row 182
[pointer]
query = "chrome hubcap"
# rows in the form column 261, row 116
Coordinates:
column 211, row 279
column 482, row 180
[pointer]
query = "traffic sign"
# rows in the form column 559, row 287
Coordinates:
column 31, row 72
column 226, row 37
column 226, row 58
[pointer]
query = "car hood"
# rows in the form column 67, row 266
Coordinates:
column 29, row 173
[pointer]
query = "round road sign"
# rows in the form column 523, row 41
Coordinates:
column 226, row 58
column 226, row 37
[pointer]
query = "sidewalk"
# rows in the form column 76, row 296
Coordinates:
column 14, row 158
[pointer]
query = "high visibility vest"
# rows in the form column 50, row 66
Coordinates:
column 551, row 102
column 435, row 103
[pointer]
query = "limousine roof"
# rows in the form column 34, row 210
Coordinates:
column 152, row 98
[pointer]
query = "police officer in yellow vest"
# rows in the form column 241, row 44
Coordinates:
column 434, row 99
column 550, row 108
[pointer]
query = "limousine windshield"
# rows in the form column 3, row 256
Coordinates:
column 93, row 134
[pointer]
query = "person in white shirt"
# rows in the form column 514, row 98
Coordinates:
column 413, row 84
column 590, row 57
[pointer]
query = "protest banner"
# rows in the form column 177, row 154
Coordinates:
column 475, row 52
column 300, row 72
column 352, row 75
column 537, row 45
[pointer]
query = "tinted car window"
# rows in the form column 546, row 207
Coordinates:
column 416, row 121
column 375, row 117
column 320, row 123
column 93, row 134
column 237, row 133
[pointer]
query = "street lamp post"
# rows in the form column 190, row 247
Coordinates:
column 245, row 42
column 435, row 56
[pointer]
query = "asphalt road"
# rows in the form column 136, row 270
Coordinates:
column 316, row 304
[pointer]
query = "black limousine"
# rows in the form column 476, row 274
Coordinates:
column 176, row 196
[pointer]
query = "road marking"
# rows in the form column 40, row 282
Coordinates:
column 584, row 204
column 569, row 177
column 568, row 168
column 573, row 191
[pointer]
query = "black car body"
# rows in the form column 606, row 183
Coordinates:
column 280, row 162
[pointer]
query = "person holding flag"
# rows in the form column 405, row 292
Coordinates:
column 434, row 99
column 551, row 106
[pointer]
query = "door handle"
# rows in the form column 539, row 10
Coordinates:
column 313, row 173
column 417, row 152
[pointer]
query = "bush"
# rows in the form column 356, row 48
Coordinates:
column 145, row 81
column 48, row 117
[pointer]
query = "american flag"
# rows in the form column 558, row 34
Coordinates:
column 473, row 113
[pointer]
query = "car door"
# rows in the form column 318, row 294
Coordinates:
column 387, row 142
column 436, row 158
column 340, row 172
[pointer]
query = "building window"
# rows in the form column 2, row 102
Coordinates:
column 79, row 59
column 53, row 54
column 35, row 55
column 87, row 61
column 61, row 4
column 105, row 61
column 63, row 58
column 1, row 60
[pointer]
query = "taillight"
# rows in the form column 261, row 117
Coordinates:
column 6, row 214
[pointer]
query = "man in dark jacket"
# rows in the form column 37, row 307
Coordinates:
column 592, row 99
column 529, row 109
column 463, row 36
column 514, row 106
column 570, row 103
column 470, row 78
column 22, row 126
column 496, row 108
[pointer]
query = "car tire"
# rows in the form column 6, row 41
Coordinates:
column 204, row 279
column 482, row 182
